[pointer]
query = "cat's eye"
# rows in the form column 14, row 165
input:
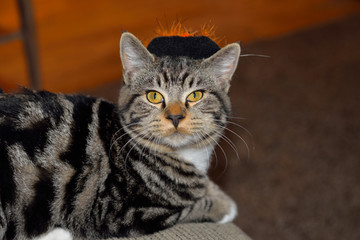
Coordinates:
column 195, row 96
column 154, row 97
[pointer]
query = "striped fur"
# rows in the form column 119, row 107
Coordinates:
column 101, row 170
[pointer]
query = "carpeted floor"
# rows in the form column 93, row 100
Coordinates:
column 302, row 107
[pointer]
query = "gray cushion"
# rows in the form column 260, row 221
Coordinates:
column 197, row 231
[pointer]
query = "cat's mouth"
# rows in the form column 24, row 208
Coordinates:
column 179, row 137
column 180, row 131
column 177, row 134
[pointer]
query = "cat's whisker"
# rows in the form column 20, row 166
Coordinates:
column 132, row 138
column 127, row 155
column 255, row 55
column 148, row 145
column 242, row 139
column 125, row 126
column 141, row 136
column 117, row 139
column 154, row 151
column 228, row 141
column 199, row 136
column 226, row 159
column 143, row 148
column 243, row 128
column 112, row 141
column 155, row 142
column 241, row 118
column 246, row 130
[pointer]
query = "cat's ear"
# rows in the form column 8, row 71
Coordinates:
column 223, row 64
column 134, row 56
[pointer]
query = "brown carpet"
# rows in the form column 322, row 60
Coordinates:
column 302, row 108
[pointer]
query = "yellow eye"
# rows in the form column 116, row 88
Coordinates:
column 195, row 96
column 154, row 97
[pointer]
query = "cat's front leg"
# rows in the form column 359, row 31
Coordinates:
column 215, row 206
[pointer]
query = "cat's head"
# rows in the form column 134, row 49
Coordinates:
column 175, row 102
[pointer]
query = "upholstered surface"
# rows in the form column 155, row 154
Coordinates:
column 198, row 231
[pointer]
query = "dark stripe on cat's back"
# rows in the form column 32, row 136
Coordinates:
column 109, row 122
column 11, row 231
column 50, row 105
column 108, row 129
column 33, row 138
column 38, row 213
column 76, row 154
column 7, row 182
column 82, row 117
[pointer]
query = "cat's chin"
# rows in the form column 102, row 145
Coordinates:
column 178, row 140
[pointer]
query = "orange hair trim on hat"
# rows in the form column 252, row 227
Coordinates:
column 178, row 29
column 209, row 31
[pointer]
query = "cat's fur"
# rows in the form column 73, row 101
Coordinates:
column 102, row 170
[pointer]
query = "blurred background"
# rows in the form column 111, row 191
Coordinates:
column 293, row 163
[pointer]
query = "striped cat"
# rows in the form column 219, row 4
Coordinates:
column 101, row 170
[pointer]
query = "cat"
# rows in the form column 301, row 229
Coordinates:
column 101, row 170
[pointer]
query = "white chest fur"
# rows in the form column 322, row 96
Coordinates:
column 199, row 157
column 56, row 234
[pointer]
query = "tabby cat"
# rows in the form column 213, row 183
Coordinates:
column 102, row 170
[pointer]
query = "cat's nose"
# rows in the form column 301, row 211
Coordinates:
column 175, row 119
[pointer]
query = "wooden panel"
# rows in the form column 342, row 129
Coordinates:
column 78, row 40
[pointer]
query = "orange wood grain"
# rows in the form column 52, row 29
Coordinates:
column 78, row 40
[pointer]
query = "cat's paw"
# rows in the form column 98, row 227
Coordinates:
column 224, row 208
column 231, row 215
